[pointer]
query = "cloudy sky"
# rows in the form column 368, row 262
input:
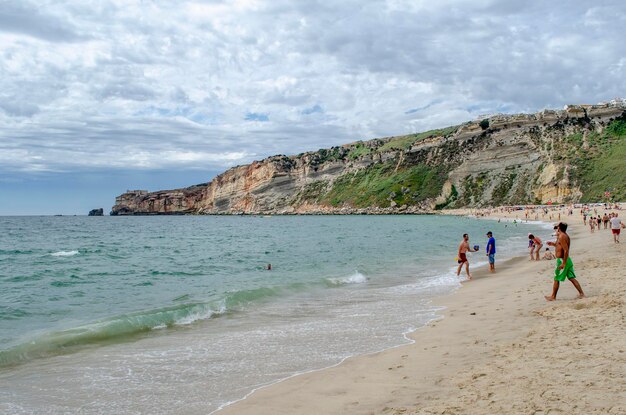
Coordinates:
column 101, row 96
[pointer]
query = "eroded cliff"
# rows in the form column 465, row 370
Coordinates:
column 551, row 156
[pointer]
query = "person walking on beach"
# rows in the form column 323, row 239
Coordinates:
column 616, row 225
column 464, row 248
column 491, row 251
column 564, row 265
column 535, row 245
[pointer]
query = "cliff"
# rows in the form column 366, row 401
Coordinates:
column 570, row 155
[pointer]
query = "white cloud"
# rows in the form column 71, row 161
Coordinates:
column 209, row 84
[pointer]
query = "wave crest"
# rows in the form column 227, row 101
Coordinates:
column 355, row 278
column 106, row 330
column 64, row 253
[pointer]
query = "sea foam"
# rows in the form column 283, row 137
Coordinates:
column 202, row 314
column 355, row 278
column 64, row 253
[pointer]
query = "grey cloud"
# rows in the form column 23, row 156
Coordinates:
column 179, row 95
column 19, row 109
column 103, row 142
column 26, row 18
column 26, row 97
column 295, row 139
column 125, row 90
column 288, row 99
column 464, row 44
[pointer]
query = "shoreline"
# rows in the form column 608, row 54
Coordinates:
column 385, row 381
column 408, row 335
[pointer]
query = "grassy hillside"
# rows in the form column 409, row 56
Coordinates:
column 596, row 163
column 381, row 183
column 603, row 166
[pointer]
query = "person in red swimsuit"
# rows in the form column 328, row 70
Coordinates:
column 616, row 227
column 463, row 249
column 536, row 247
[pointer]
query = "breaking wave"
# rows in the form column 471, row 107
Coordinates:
column 128, row 325
column 355, row 278
column 119, row 327
column 64, row 253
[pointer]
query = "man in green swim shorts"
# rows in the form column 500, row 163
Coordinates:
column 564, row 265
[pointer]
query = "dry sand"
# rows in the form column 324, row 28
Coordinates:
column 500, row 349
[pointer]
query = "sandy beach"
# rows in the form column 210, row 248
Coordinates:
column 499, row 348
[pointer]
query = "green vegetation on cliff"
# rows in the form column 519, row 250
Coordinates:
column 473, row 188
column 381, row 184
column 359, row 150
column 602, row 167
column 324, row 155
column 406, row 141
column 311, row 192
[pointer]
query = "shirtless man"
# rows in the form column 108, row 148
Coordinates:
column 464, row 248
column 564, row 266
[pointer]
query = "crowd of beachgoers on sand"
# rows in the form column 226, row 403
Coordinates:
column 598, row 216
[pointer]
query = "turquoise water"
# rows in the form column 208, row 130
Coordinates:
column 136, row 307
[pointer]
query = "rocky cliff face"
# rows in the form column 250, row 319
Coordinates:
column 503, row 159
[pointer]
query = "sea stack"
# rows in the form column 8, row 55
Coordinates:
column 96, row 212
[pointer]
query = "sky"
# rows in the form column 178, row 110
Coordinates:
column 101, row 96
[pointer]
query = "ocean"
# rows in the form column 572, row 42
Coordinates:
column 178, row 314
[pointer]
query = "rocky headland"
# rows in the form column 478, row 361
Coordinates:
column 570, row 155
